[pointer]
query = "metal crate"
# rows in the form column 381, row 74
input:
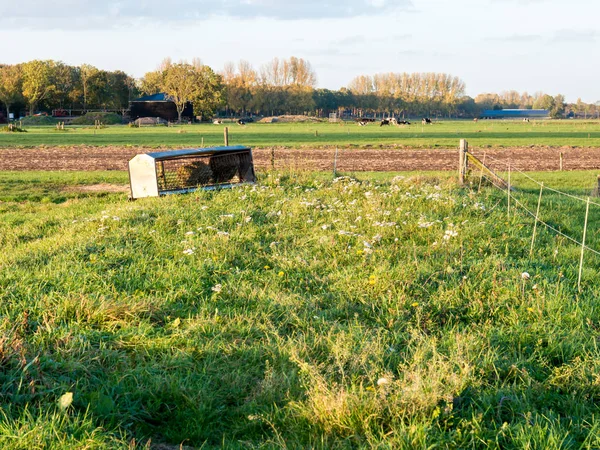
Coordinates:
column 179, row 171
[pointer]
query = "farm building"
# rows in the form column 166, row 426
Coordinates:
column 515, row 114
column 158, row 105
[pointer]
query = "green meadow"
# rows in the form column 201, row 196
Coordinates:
column 439, row 135
column 389, row 311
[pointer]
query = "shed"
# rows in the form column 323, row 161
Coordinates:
column 179, row 171
column 158, row 105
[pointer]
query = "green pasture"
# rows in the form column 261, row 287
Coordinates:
column 444, row 134
column 387, row 311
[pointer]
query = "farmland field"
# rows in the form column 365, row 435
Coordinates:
column 483, row 134
column 388, row 311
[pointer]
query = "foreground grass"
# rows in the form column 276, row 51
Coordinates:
column 445, row 134
column 301, row 312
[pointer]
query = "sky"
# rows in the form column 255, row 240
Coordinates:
column 493, row 45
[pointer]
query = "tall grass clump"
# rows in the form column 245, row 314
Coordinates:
column 301, row 312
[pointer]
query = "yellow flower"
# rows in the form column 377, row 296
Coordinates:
column 530, row 310
column 359, row 252
column 267, row 267
column 281, row 274
column 415, row 304
column 372, row 279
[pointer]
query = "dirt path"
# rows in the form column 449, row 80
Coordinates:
column 115, row 158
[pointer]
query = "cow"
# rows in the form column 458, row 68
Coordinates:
column 393, row 121
column 403, row 122
column 475, row 119
column 362, row 124
column 241, row 122
column 525, row 119
column 384, row 122
column 426, row 120
column 217, row 122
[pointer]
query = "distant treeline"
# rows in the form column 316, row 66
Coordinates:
column 285, row 86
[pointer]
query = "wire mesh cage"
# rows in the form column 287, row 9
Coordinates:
column 179, row 171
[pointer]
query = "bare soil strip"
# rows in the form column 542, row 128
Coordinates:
column 349, row 160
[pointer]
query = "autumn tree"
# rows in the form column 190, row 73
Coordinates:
column 558, row 109
column 181, row 82
column 10, row 86
column 67, row 85
column 152, row 82
column 210, row 95
column 87, row 74
column 38, row 82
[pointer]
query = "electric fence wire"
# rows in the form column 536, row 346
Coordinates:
column 547, row 225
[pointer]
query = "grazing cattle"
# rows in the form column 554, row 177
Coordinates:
column 362, row 124
column 403, row 122
column 526, row 120
column 241, row 122
column 426, row 120
column 217, row 122
column 393, row 121
column 384, row 122
column 475, row 119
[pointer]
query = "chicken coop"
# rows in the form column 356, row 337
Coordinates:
column 181, row 171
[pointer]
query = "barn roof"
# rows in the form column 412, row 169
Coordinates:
column 160, row 97
column 539, row 113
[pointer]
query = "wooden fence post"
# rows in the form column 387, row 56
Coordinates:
column 462, row 161
column 561, row 161
column 273, row 158
column 335, row 159
column 226, row 136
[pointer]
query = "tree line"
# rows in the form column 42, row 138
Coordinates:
column 47, row 85
column 282, row 86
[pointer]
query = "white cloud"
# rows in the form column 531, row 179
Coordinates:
column 77, row 14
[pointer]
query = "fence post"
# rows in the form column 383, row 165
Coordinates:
column 273, row 158
column 537, row 217
column 226, row 136
column 462, row 161
column 561, row 161
column 335, row 158
column 587, row 214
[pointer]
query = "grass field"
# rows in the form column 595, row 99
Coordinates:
column 443, row 135
column 303, row 312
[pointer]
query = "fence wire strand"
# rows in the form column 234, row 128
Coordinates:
column 532, row 214
column 556, row 191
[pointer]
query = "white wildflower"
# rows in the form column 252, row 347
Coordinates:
column 190, row 233
column 217, row 288
column 383, row 381
column 189, row 251
column 525, row 276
